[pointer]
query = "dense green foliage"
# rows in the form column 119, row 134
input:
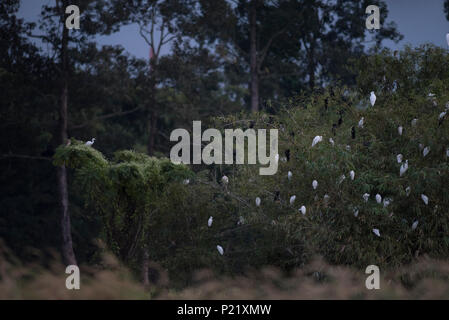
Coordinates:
column 312, row 83
column 132, row 191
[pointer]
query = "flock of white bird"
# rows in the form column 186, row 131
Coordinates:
column 404, row 167
column 386, row 201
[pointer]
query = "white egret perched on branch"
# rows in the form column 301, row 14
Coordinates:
column 426, row 151
column 400, row 129
column 414, row 225
column 378, row 198
column 90, row 143
column 331, row 141
column 220, row 249
column 376, row 232
column 186, row 181
column 404, row 168
column 316, row 140
column 303, row 210
column 289, row 175
column 372, row 98
column 414, row 121
column 361, row 121
column 366, row 197
column 425, row 199
column 258, row 201
column 399, row 158
column 352, row 174
column 356, row 212
column 314, row 184
column 225, row 179
column 209, row 222
column 292, row 199
column 408, row 190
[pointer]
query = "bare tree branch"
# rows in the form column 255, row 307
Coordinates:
column 23, row 156
column 106, row 116
column 267, row 46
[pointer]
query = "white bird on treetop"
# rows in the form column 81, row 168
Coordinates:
column 408, row 190
column 372, row 98
column 289, row 175
column 292, row 199
column 186, row 181
column 376, row 232
column 220, row 249
column 361, row 122
column 378, row 198
column 348, row 148
column 442, row 114
column 314, row 184
column 316, row 140
column 414, row 225
column 426, row 151
column 399, row 158
column 326, row 198
column 414, row 121
column 342, row 178
column 258, row 201
column 400, row 129
column 331, row 141
column 225, row 179
column 303, row 210
column 91, row 142
column 356, row 212
column 425, row 199
column 366, row 197
column 404, row 168
column 352, row 174
column 387, row 202
column 209, row 222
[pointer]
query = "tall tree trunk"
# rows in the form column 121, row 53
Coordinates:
column 145, row 266
column 67, row 247
column 152, row 130
column 152, row 118
column 254, row 86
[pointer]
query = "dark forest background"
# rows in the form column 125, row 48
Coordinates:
column 228, row 61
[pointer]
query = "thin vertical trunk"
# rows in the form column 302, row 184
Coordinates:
column 152, row 123
column 312, row 64
column 254, row 85
column 152, row 118
column 145, row 266
column 67, row 247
